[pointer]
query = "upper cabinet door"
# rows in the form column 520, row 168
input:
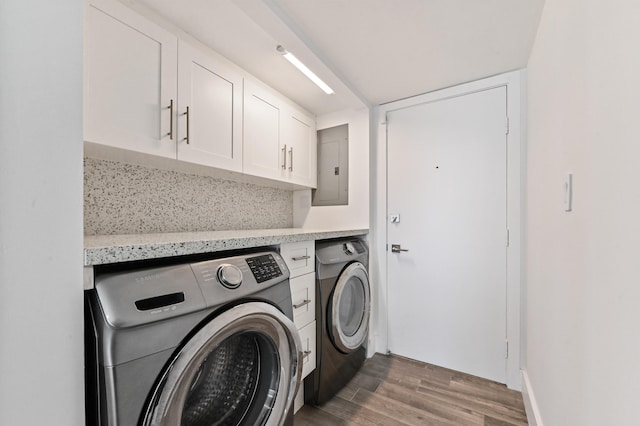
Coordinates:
column 301, row 139
column 130, row 80
column 211, row 132
column 263, row 155
column 279, row 140
column 147, row 91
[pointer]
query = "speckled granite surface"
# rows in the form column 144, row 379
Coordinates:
column 130, row 199
column 103, row 249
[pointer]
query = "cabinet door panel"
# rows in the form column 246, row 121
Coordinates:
column 213, row 93
column 262, row 153
column 130, row 80
column 308, row 338
column 301, row 137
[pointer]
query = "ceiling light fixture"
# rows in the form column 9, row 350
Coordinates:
column 306, row 71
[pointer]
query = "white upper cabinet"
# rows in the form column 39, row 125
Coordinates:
column 262, row 154
column 210, row 133
column 301, row 140
column 279, row 140
column 148, row 90
column 130, row 80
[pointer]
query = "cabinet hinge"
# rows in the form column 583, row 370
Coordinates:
column 506, row 125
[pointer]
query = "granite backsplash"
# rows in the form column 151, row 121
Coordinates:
column 122, row 198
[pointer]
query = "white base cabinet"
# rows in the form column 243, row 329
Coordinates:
column 300, row 259
column 298, row 402
column 303, row 297
column 308, row 337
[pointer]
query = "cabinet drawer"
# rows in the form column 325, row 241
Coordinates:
column 308, row 338
column 299, row 257
column 303, row 296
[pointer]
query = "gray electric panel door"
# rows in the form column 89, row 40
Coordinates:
column 333, row 167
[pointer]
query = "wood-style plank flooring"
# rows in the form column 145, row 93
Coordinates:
column 391, row 390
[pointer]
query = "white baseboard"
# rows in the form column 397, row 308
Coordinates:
column 530, row 405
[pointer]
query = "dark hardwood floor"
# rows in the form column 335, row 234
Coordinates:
column 390, row 390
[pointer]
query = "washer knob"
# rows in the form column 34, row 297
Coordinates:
column 229, row 276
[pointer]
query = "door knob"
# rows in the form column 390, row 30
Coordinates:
column 397, row 248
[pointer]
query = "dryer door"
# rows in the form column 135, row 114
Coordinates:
column 349, row 308
column 243, row 367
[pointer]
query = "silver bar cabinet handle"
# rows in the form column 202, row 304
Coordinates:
column 284, row 158
column 291, row 159
column 171, row 119
column 187, row 114
column 295, row 259
column 305, row 302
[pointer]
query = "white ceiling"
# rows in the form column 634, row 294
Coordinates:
column 369, row 51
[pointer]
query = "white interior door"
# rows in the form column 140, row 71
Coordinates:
column 447, row 169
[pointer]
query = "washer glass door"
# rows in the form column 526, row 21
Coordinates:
column 349, row 308
column 243, row 367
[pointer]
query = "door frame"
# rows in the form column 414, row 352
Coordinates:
column 515, row 83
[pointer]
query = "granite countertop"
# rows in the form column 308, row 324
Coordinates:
column 104, row 249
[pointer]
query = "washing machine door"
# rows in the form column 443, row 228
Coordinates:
column 241, row 368
column 349, row 308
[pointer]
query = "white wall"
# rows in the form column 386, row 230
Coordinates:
column 583, row 272
column 355, row 215
column 41, row 305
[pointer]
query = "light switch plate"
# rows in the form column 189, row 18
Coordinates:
column 568, row 192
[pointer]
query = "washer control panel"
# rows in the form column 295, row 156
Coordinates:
column 264, row 267
column 230, row 278
column 139, row 296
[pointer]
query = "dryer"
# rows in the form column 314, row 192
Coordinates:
column 343, row 301
column 190, row 344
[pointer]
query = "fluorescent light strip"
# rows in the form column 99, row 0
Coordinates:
column 306, row 71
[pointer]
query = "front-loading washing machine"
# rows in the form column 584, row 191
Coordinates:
column 203, row 343
column 343, row 304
